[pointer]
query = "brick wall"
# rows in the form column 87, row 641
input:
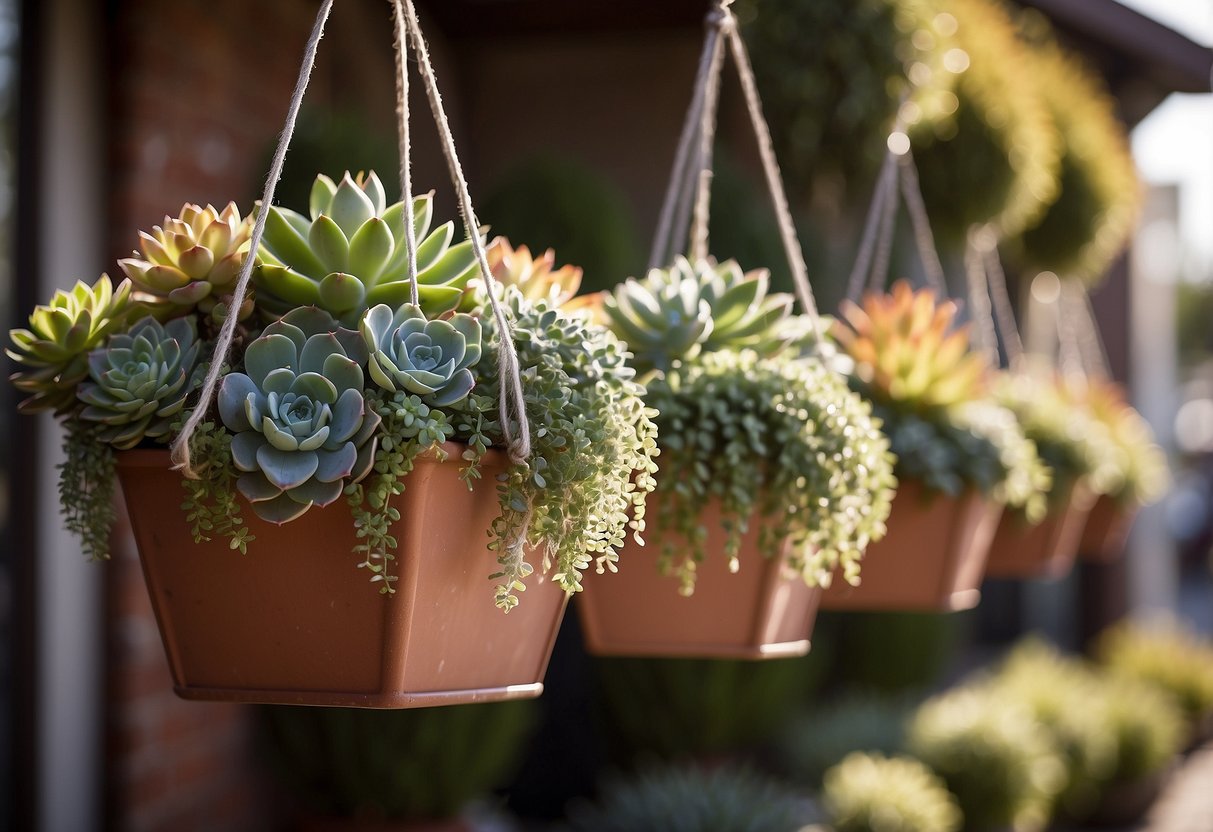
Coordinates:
column 199, row 90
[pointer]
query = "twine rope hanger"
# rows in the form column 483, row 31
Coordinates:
column 512, row 399
column 692, row 171
column 897, row 171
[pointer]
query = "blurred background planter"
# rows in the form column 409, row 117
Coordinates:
column 294, row 622
column 933, row 558
column 1107, row 530
column 763, row 611
column 1046, row 550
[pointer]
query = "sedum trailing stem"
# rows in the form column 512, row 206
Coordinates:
column 86, row 489
column 211, row 506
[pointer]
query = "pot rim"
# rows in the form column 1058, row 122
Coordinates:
column 159, row 457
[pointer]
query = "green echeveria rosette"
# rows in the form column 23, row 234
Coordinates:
column 53, row 351
column 431, row 359
column 299, row 418
column 778, row 439
column 350, row 254
column 139, row 380
column 676, row 313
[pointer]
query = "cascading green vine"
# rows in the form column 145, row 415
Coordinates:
column 86, row 489
column 211, row 506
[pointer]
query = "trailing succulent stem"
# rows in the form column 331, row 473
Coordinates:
column 211, row 506
column 86, row 489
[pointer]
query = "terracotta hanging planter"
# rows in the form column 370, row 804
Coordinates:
column 1107, row 530
column 763, row 611
column 933, row 558
column 294, row 622
column 1046, row 550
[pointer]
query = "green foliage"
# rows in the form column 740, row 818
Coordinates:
column 691, row 308
column 86, row 489
column 1088, row 224
column 1142, row 476
column 1067, row 698
column 431, row 359
column 592, row 445
column 1075, row 446
column 1148, row 727
column 350, row 255
column 53, row 352
column 820, row 739
column 549, row 202
column 394, row 765
column 300, row 425
column 780, row 440
column 986, row 147
column 872, row 793
column 997, row 760
column 139, row 380
column 674, row 708
column 930, row 392
column 191, row 262
column 693, row 800
column 1168, row 658
column 831, row 73
column 211, row 506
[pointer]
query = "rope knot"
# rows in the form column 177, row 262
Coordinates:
column 721, row 18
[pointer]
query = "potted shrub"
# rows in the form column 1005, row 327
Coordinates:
column 1082, row 458
column 774, row 474
column 361, row 770
column 335, row 546
column 1142, row 475
column 866, row 792
column 996, row 759
column 1169, row 658
column 960, row 457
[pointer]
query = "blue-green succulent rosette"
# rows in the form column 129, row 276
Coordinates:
column 431, row 359
column 301, row 428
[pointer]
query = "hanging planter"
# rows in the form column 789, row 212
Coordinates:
column 344, row 419
column 1082, row 458
column 1142, row 479
column 960, row 457
column 773, row 473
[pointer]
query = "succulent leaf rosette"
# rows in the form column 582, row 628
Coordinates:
column 300, row 425
column 428, row 358
column 53, row 351
column 350, row 254
column 191, row 262
column 139, row 380
column 743, row 421
column 932, row 393
column 864, row 790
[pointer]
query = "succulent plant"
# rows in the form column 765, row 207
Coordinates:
column 139, row 380
column 674, row 314
column 301, row 428
column 998, row 761
column 1143, row 477
column 1167, row 657
column 53, row 352
column 191, row 262
column 780, row 439
column 908, row 351
column 873, row 793
column 1075, row 445
column 350, row 255
column 1146, row 725
column 536, row 277
column 1089, row 222
column 987, row 125
column 1065, row 695
column 428, row 358
column 693, row 800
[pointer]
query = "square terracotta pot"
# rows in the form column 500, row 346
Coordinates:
column 295, row 622
column 763, row 611
column 1046, row 550
column 1107, row 530
column 932, row 559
